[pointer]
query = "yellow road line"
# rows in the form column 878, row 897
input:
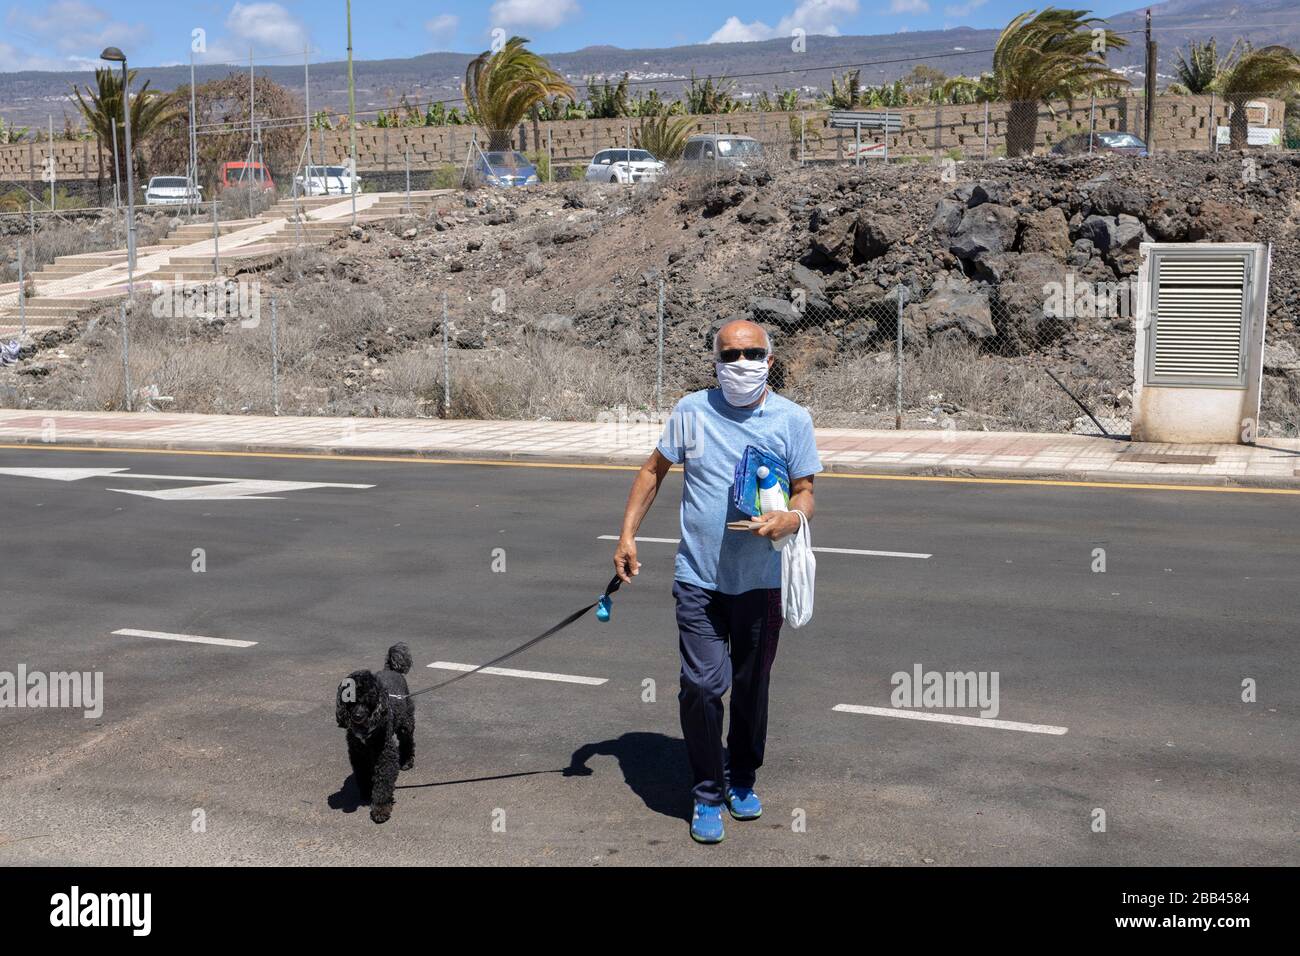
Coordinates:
column 506, row 463
column 318, row 456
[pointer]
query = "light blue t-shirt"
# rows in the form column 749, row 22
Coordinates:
column 707, row 436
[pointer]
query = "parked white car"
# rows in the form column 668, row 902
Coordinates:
column 623, row 166
column 326, row 181
column 172, row 191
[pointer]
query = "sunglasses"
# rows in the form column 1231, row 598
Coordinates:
column 733, row 355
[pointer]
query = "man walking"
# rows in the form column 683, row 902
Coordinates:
column 727, row 584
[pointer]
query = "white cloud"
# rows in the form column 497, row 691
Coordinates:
column 733, row 31
column 75, row 29
column 909, row 6
column 542, row 14
column 266, row 27
column 14, row 60
column 964, row 9
column 814, row 17
column 442, row 28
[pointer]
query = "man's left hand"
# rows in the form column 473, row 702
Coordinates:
column 777, row 524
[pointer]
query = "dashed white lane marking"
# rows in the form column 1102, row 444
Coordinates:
column 874, row 554
column 187, row 638
column 877, row 554
column 511, row 672
column 950, row 719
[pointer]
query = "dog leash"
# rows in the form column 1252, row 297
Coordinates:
column 602, row 603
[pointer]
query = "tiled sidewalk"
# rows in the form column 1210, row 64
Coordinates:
column 1271, row 463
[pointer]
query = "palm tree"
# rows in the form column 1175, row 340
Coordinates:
column 846, row 93
column 963, row 90
column 501, row 88
column 1262, row 72
column 1201, row 68
column 1045, row 56
column 10, row 133
column 710, row 97
column 608, row 101
column 664, row 136
column 150, row 111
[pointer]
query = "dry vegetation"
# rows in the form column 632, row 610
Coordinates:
column 576, row 268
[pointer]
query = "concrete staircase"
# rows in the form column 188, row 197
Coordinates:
column 297, row 227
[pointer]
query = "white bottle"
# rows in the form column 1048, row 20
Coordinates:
column 770, row 499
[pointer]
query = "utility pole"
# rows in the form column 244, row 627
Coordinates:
column 250, row 176
column 352, row 120
column 306, row 95
column 194, row 142
column 1150, row 104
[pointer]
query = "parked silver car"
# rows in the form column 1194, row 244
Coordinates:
column 730, row 149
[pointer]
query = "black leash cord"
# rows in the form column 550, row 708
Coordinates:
column 609, row 589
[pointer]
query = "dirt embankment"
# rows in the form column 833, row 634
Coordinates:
column 553, row 292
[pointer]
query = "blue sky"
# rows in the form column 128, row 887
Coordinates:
column 68, row 34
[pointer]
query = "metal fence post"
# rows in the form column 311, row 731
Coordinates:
column 22, row 293
column 1214, row 125
column 126, row 359
column 408, row 180
column 898, row 372
column 1092, row 118
column 986, row 129
column 216, row 242
column 550, row 157
column 659, row 368
column 803, row 122
column 275, row 361
column 446, row 363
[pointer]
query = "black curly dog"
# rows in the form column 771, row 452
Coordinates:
column 379, row 719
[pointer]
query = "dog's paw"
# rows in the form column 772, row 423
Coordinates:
column 409, row 765
column 381, row 814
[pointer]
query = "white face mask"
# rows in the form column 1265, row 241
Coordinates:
column 742, row 381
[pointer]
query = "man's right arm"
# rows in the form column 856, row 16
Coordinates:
column 644, row 489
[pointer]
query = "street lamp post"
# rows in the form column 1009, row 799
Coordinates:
column 113, row 55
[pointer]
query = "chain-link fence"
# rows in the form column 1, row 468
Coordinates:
column 907, row 357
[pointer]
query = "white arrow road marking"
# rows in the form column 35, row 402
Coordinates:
column 511, row 672
column 251, row 489
column 60, row 474
column 187, row 638
column 243, row 488
column 950, row 719
column 876, row 554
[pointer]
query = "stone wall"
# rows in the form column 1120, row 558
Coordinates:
column 1180, row 123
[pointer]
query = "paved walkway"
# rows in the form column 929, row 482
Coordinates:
column 115, row 275
column 1272, row 463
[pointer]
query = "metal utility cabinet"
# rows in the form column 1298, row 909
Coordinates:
column 1200, row 312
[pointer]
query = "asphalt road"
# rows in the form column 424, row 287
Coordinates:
column 1143, row 664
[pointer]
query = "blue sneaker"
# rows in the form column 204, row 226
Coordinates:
column 743, row 803
column 706, row 823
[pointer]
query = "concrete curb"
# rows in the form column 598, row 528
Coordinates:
column 634, row 460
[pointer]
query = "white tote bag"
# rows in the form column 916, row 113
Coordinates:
column 798, row 573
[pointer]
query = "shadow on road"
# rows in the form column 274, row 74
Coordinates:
column 654, row 766
column 347, row 798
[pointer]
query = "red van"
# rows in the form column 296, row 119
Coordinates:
column 241, row 173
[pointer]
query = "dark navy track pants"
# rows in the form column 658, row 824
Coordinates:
column 726, row 641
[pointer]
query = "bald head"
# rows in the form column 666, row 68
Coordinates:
column 741, row 334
